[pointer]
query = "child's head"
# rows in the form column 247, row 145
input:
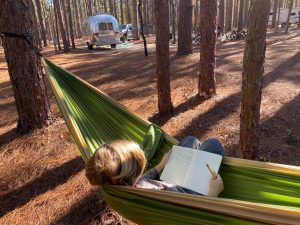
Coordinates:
column 119, row 162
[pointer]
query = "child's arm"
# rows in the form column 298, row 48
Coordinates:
column 159, row 167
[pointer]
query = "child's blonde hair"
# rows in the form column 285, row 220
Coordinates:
column 119, row 162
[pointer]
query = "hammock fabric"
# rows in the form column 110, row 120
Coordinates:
column 255, row 192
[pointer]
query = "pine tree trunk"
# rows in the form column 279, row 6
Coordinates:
column 289, row 16
column 275, row 6
column 56, row 27
column 38, row 36
column 71, row 24
column 196, row 22
column 185, row 28
column 145, row 16
column 235, row 13
column 153, row 17
column 128, row 11
column 162, row 57
column 61, row 26
column 111, row 7
column 278, row 16
column 208, row 20
column 221, row 15
column 77, row 19
column 246, row 9
column 24, row 65
column 41, row 20
column 115, row 10
column 241, row 15
column 229, row 5
column 135, row 20
column 122, row 12
column 172, row 3
column 253, row 64
column 89, row 7
column 298, row 20
column 65, row 19
column 105, row 6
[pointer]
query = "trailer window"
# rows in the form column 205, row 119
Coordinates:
column 293, row 14
column 106, row 26
column 110, row 26
column 102, row 26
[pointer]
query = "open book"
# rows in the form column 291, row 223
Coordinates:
column 187, row 168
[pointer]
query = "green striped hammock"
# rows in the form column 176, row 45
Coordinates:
column 255, row 192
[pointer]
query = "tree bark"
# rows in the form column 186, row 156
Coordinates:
column 142, row 27
column 65, row 19
column 185, row 46
column 172, row 3
column 289, row 16
column 89, row 7
column 115, row 10
column 275, row 7
column 135, row 20
column 56, row 27
column 24, row 65
column 246, row 9
column 241, row 15
column 298, row 26
column 254, row 57
column 145, row 17
column 71, row 24
column 61, row 26
column 41, row 20
column 153, row 17
column 77, row 19
column 122, row 12
column 229, row 5
column 128, row 11
column 235, row 13
column 196, row 22
column 38, row 36
column 105, row 6
column 111, row 7
column 162, row 57
column 221, row 15
column 208, row 20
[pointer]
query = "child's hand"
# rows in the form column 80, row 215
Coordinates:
column 216, row 186
column 163, row 162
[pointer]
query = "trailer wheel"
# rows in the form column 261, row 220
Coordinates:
column 113, row 46
column 90, row 46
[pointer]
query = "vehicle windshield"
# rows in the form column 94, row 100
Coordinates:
column 122, row 26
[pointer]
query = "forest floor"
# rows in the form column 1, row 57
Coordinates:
column 42, row 175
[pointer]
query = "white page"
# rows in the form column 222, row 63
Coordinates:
column 177, row 165
column 198, row 176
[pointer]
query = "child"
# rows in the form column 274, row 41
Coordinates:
column 122, row 162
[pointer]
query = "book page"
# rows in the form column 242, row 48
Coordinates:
column 198, row 176
column 177, row 165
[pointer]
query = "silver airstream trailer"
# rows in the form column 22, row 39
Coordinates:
column 101, row 29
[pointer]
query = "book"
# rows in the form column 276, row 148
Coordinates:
column 187, row 168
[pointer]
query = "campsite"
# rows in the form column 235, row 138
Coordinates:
column 76, row 75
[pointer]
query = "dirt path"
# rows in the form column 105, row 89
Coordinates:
column 41, row 174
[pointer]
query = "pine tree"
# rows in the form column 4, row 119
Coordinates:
column 253, row 69
column 162, row 57
column 24, row 65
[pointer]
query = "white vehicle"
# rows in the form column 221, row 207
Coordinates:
column 101, row 29
column 294, row 17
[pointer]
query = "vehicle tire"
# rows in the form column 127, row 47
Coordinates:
column 113, row 46
column 90, row 47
